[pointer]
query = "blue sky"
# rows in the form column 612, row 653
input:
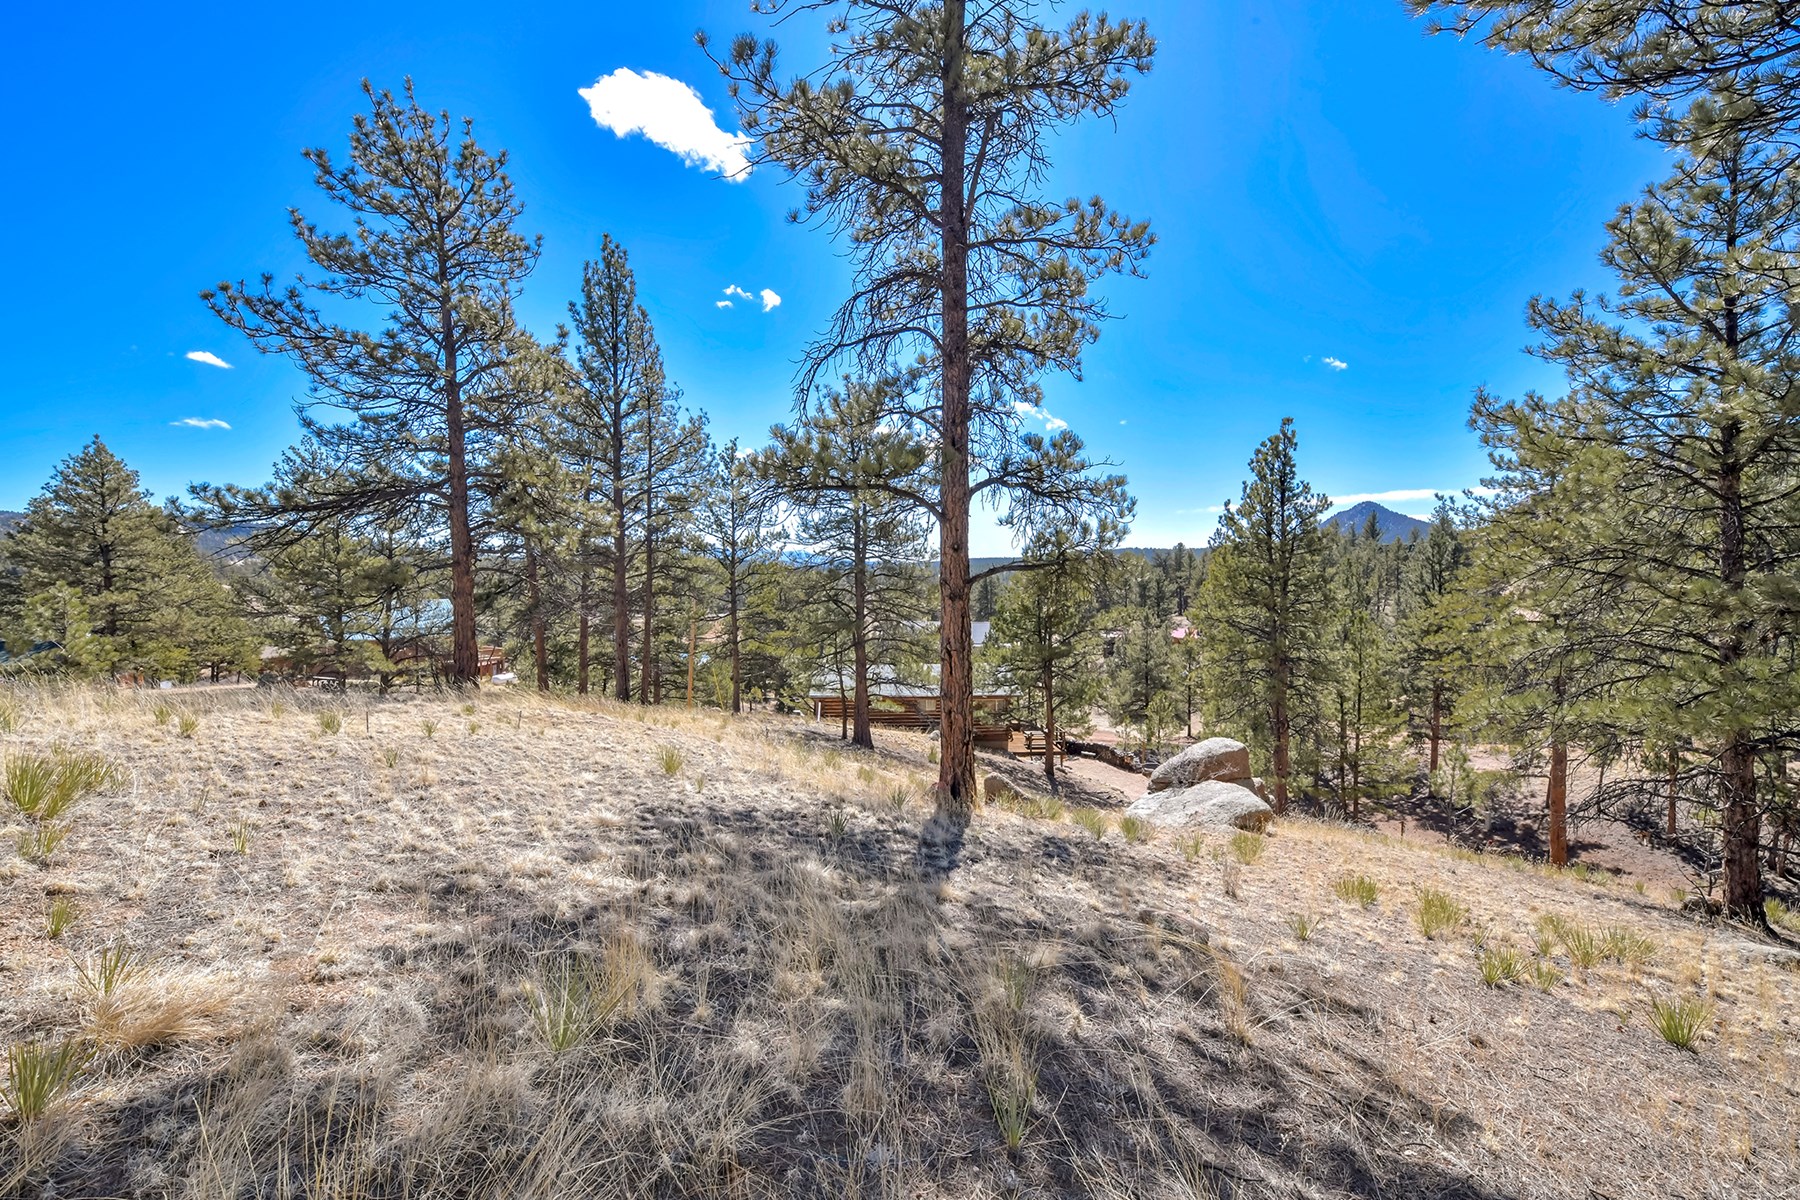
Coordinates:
column 1351, row 217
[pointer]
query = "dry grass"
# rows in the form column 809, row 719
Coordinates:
column 534, row 961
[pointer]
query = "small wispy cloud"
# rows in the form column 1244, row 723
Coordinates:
column 1336, row 364
column 733, row 293
column 201, row 422
column 671, row 114
column 1034, row 412
column 207, row 357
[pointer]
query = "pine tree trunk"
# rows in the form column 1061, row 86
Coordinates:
column 1437, row 723
column 1557, row 799
column 465, row 653
column 1049, row 686
column 1741, row 826
column 539, row 650
column 621, row 564
column 646, row 664
column 955, row 794
column 581, row 646
column 737, row 655
column 1279, row 727
column 1674, row 776
column 861, row 734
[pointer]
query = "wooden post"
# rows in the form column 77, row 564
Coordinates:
column 693, row 628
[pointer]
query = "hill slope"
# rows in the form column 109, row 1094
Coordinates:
column 523, row 948
column 1395, row 527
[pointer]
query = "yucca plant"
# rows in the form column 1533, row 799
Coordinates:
column 1090, row 819
column 330, row 721
column 1247, row 847
column 1682, row 1021
column 1439, row 912
column 1359, row 890
column 1500, row 964
column 187, row 723
column 58, row 916
column 1134, row 829
column 1304, row 926
column 671, row 760
column 10, row 716
column 112, row 967
column 41, row 1073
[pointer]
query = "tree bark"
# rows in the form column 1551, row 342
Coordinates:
column 646, row 663
column 1741, row 825
column 1050, row 724
column 737, row 653
column 539, row 649
column 955, row 797
column 1437, row 722
column 861, row 734
column 581, row 647
column 1279, row 726
column 621, row 582
column 465, row 653
column 1674, row 777
column 1556, row 796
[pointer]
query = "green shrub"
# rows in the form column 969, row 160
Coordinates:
column 1681, row 1022
column 1356, row 889
column 1304, row 926
column 1247, row 847
column 1781, row 916
column 1500, row 964
column 1626, row 946
column 1090, row 819
column 1439, row 912
column 1134, row 829
column 114, row 966
column 38, row 1075
column 58, row 916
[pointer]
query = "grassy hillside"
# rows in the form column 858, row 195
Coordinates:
column 525, row 948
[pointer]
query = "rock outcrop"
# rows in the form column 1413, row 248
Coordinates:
column 1212, row 804
column 1215, row 758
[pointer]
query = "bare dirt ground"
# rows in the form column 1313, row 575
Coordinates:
column 527, row 948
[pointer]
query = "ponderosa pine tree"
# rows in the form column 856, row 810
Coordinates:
column 619, row 381
column 93, row 548
column 434, row 242
column 924, row 141
column 1663, row 51
column 1433, row 656
column 1265, row 603
column 672, row 480
column 1662, row 490
column 843, row 466
column 1043, row 643
column 736, row 521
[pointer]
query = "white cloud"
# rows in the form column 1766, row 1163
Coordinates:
column 767, row 298
column 672, row 115
column 1033, row 412
column 207, row 357
column 201, row 422
column 1336, row 364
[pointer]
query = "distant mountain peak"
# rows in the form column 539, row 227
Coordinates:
column 1395, row 527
